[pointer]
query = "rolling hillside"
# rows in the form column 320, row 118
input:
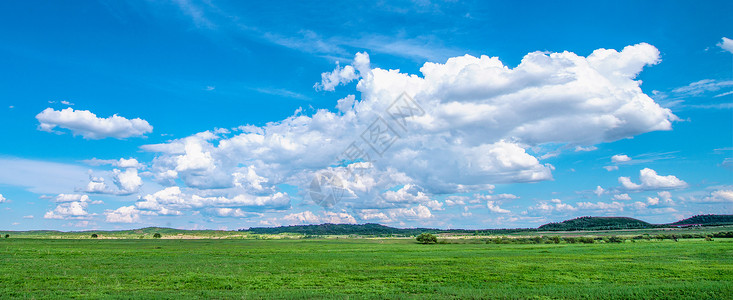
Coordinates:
column 706, row 220
column 597, row 223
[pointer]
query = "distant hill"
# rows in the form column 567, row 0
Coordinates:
column 597, row 223
column 370, row 229
column 706, row 220
column 341, row 229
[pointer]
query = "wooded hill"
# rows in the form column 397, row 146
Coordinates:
column 577, row 224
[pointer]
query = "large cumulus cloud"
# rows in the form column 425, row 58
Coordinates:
column 478, row 121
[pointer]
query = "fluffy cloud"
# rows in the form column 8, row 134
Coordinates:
column 599, row 191
column 128, row 181
column 125, row 214
column 473, row 122
column 620, row 158
column 308, row 217
column 121, row 163
column 2, row 199
column 89, row 126
column 494, row 207
column 329, row 80
column 721, row 195
column 624, row 197
column 602, row 206
column 554, row 205
column 172, row 201
column 651, row 181
column 726, row 44
column 71, row 206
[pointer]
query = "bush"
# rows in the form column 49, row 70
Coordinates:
column 94, row 235
column 570, row 240
column 156, row 235
column 586, row 240
column 555, row 239
column 426, row 238
column 7, row 236
column 615, row 239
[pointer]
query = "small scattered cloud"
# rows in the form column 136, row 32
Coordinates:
column 726, row 44
column 651, row 181
column 624, row 197
column 619, row 158
column 585, row 149
column 611, row 168
column 89, row 126
column 599, row 191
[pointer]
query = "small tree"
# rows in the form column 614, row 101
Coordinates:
column 94, row 235
column 156, row 235
column 7, row 236
column 426, row 238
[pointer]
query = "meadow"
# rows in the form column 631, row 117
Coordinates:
column 362, row 268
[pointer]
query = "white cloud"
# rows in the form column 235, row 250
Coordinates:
column 329, row 80
column 308, row 217
column 71, row 206
column 651, row 181
column 480, row 120
column 585, row 149
column 613, row 206
column 96, row 185
column 599, row 191
column 125, row 214
column 620, row 158
column 718, row 196
column 455, row 200
column 494, row 207
column 624, row 197
column 172, row 201
column 234, row 213
column 700, row 87
column 89, row 126
column 2, row 198
column 121, row 163
column 726, row 44
column 554, row 205
column 128, row 181
column 611, row 168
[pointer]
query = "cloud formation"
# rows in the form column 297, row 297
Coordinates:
column 460, row 126
column 651, row 181
column 726, row 44
column 89, row 126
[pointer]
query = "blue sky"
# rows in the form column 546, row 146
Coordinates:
column 227, row 115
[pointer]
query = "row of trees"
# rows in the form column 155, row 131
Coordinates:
column 427, row 238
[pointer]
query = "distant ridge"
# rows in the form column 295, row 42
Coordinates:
column 597, row 223
column 706, row 220
column 577, row 224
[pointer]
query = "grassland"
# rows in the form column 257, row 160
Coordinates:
column 362, row 268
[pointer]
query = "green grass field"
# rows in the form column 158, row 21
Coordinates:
column 362, row 268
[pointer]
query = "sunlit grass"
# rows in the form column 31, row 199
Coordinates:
column 40, row 268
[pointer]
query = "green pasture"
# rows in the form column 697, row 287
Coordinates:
column 362, row 268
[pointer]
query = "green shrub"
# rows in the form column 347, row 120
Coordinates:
column 7, row 236
column 615, row 239
column 426, row 238
column 570, row 240
column 94, row 235
column 157, row 235
column 586, row 240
